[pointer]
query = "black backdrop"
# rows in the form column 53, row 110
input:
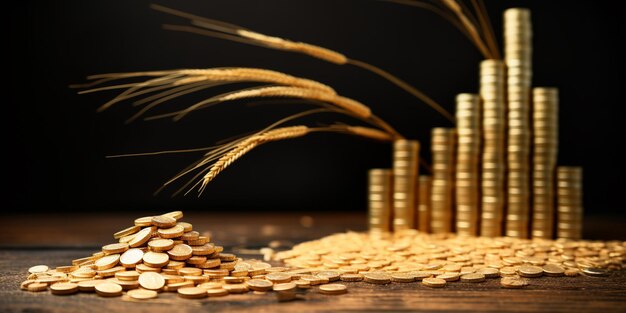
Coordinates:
column 55, row 143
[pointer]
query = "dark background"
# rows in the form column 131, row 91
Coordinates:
column 55, row 144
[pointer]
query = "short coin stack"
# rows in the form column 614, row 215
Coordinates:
column 405, row 173
column 443, row 153
column 517, row 53
column 467, row 164
column 569, row 202
column 380, row 193
column 424, row 203
column 545, row 147
column 162, row 254
column 492, row 93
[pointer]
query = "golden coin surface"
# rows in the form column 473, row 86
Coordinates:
column 211, row 285
column 155, row 259
column 259, row 284
column 144, row 221
column 188, row 235
column 377, row 278
column 489, row 272
column 331, row 275
column 572, row 272
column 175, row 286
column 163, row 221
column 151, row 281
column 236, row 288
column 127, row 275
column 530, row 271
column 142, row 268
column 190, row 271
column 126, row 284
column 284, row 286
column 473, row 278
column 553, row 270
column 125, row 232
column 234, row 280
column 333, row 289
column 449, row 276
column 107, row 262
column 172, row 232
column 402, row 277
column 108, row 289
column 205, row 249
column 180, row 252
column 160, row 245
column 142, row 294
column 24, row 284
column 513, row 282
column 36, row 287
column 433, row 282
column 595, row 272
column 188, row 227
column 115, row 248
column 217, row 292
column 38, row 269
column 352, row 277
column 302, row 284
column 131, row 257
column 278, row 277
column 89, row 285
column 141, row 237
column 192, row 292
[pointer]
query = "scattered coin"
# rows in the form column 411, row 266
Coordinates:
column 142, row 294
column 151, row 281
column 513, row 282
column 192, row 292
column 434, row 282
column 333, row 289
column 63, row 288
column 108, row 289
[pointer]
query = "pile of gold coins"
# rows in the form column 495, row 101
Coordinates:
column 494, row 174
column 162, row 254
column 438, row 259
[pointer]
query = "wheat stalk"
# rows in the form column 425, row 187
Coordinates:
column 237, row 33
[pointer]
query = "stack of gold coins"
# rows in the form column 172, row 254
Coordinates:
column 443, row 144
column 423, row 201
column 517, row 54
column 492, row 93
column 405, row 172
column 379, row 197
column 545, row 148
column 467, row 164
column 569, row 202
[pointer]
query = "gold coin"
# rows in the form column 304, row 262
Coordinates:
column 151, row 281
column 175, row 214
column 211, row 285
column 126, row 284
column 553, row 270
column 433, row 282
column 236, row 288
column 197, row 279
column 190, row 271
column 125, row 232
column 89, row 285
column 489, row 272
column 63, row 288
column 284, row 287
column 513, row 282
column 234, row 280
column 420, row 275
column 115, row 248
column 333, row 289
column 24, row 284
column 107, row 262
column 279, row 277
column 108, row 289
column 302, row 284
column 155, row 259
column 449, row 276
column 595, row 272
column 163, row 221
column 141, row 237
column 217, row 292
column 208, row 263
column 188, row 227
column 180, row 252
column 142, row 294
column 196, row 259
column 351, row 277
column 198, row 242
column 66, row 269
column 172, row 232
column 131, row 257
column 377, row 278
column 173, row 287
column 331, row 275
column 402, row 277
column 530, row 271
column 127, row 275
column 192, row 292
column 160, row 245
column 189, row 235
column 144, row 221
column 473, row 278
column 205, row 249
column 572, row 272
column 259, row 284
column 38, row 269
column 36, row 287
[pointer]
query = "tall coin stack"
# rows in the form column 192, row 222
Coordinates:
column 545, row 148
column 492, row 93
column 405, row 172
column 380, row 185
column 570, row 202
column 467, row 164
column 517, row 53
column 443, row 144
column 423, row 203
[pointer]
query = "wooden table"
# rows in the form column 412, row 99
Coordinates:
column 56, row 240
